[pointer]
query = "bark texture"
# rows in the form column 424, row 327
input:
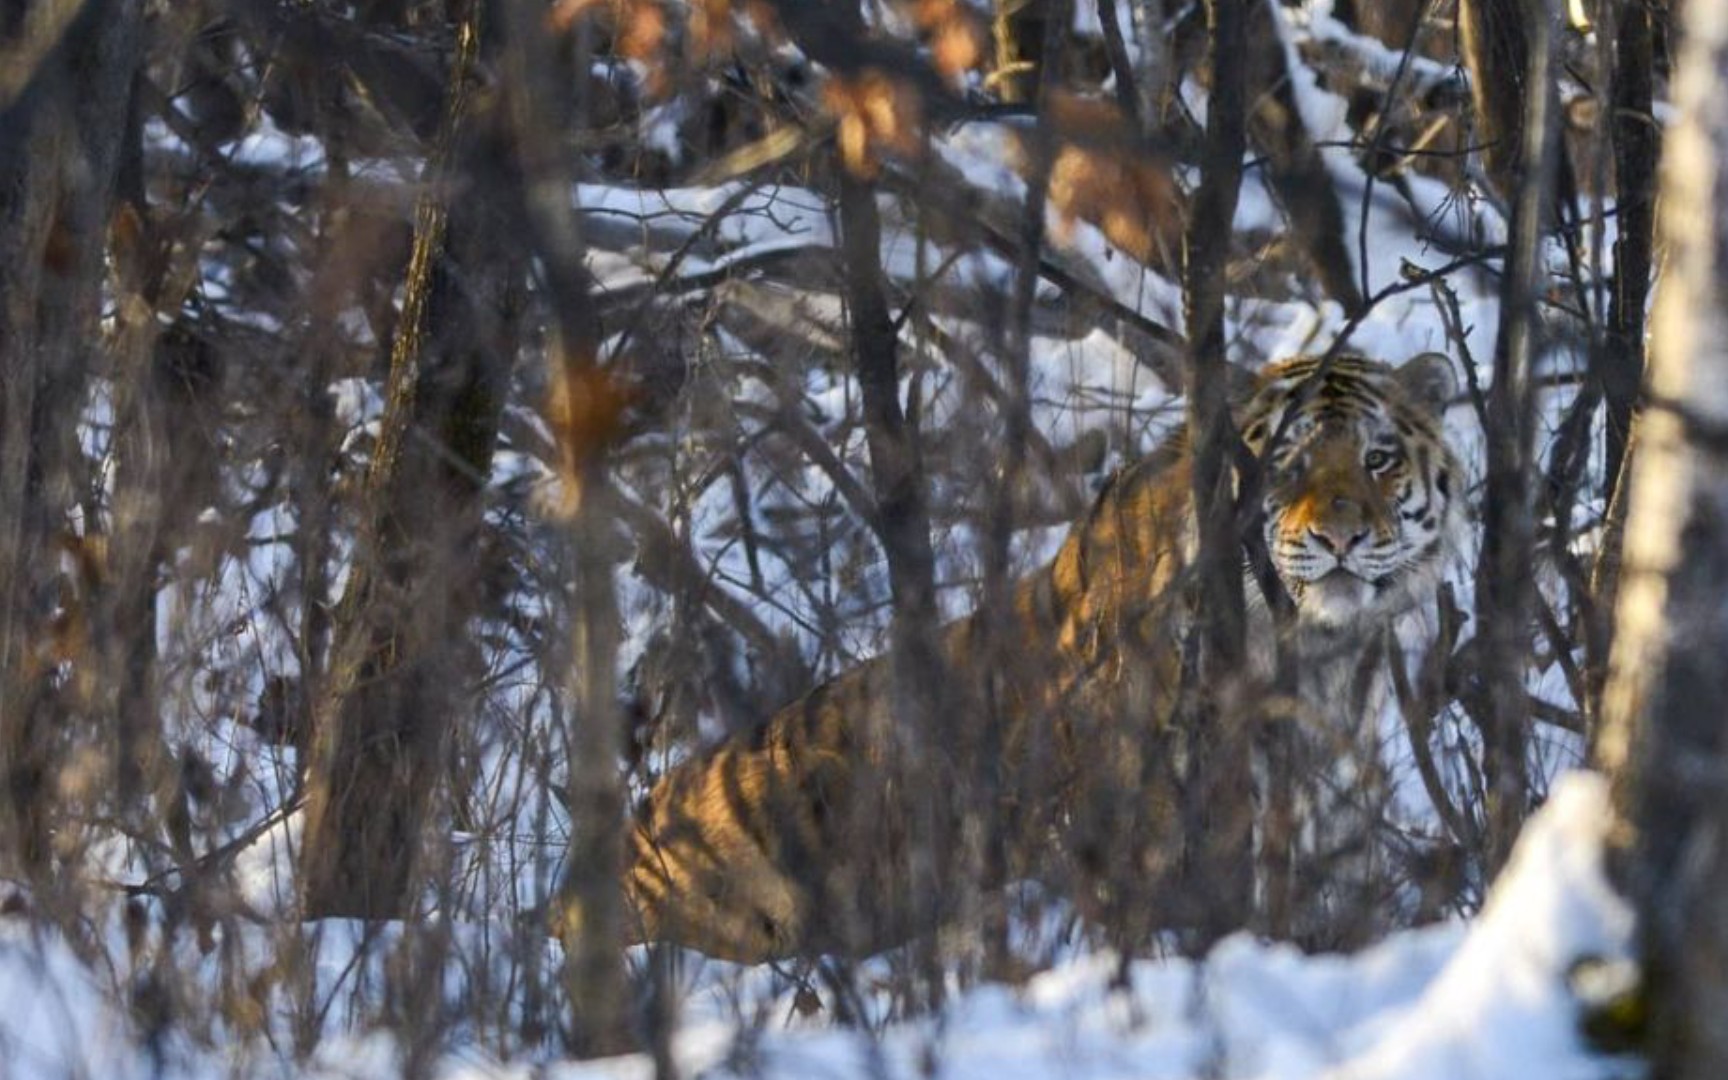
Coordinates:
column 384, row 716
column 65, row 89
column 1504, row 594
column 1665, row 735
column 1217, row 826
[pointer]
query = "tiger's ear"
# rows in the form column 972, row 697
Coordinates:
column 1430, row 381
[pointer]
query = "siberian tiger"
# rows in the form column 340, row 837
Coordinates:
column 752, row 850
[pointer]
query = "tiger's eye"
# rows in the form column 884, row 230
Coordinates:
column 1376, row 460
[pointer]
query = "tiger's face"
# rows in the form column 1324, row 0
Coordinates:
column 1361, row 490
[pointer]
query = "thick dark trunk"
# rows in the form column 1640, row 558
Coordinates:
column 903, row 521
column 393, row 688
column 1216, row 817
column 1494, row 37
column 64, row 100
column 1620, row 373
column 920, row 705
column 1637, row 141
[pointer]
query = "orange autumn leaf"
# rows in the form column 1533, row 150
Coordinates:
column 956, row 46
column 586, row 408
column 875, row 113
column 1104, row 174
column 954, row 32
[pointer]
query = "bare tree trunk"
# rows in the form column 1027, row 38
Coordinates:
column 1620, row 371
column 1496, row 47
column 65, row 90
column 589, row 906
column 1216, row 817
column 1021, row 33
column 161, row 387
column 384, row 715
column 594, row 974
column 1665, row 735
column 1637, row 141
column 984, row 721
column 903, row 523
column 1503, row 601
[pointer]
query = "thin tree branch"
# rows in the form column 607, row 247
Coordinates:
column 1503, row 578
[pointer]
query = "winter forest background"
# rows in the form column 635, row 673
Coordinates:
column 422, row 423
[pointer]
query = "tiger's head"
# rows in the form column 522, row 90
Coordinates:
column 1362, row 493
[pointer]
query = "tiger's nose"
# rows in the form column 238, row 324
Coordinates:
column 1336, row 539
column 1343, row 528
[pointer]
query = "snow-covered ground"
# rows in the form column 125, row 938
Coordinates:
column 1493, row 998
